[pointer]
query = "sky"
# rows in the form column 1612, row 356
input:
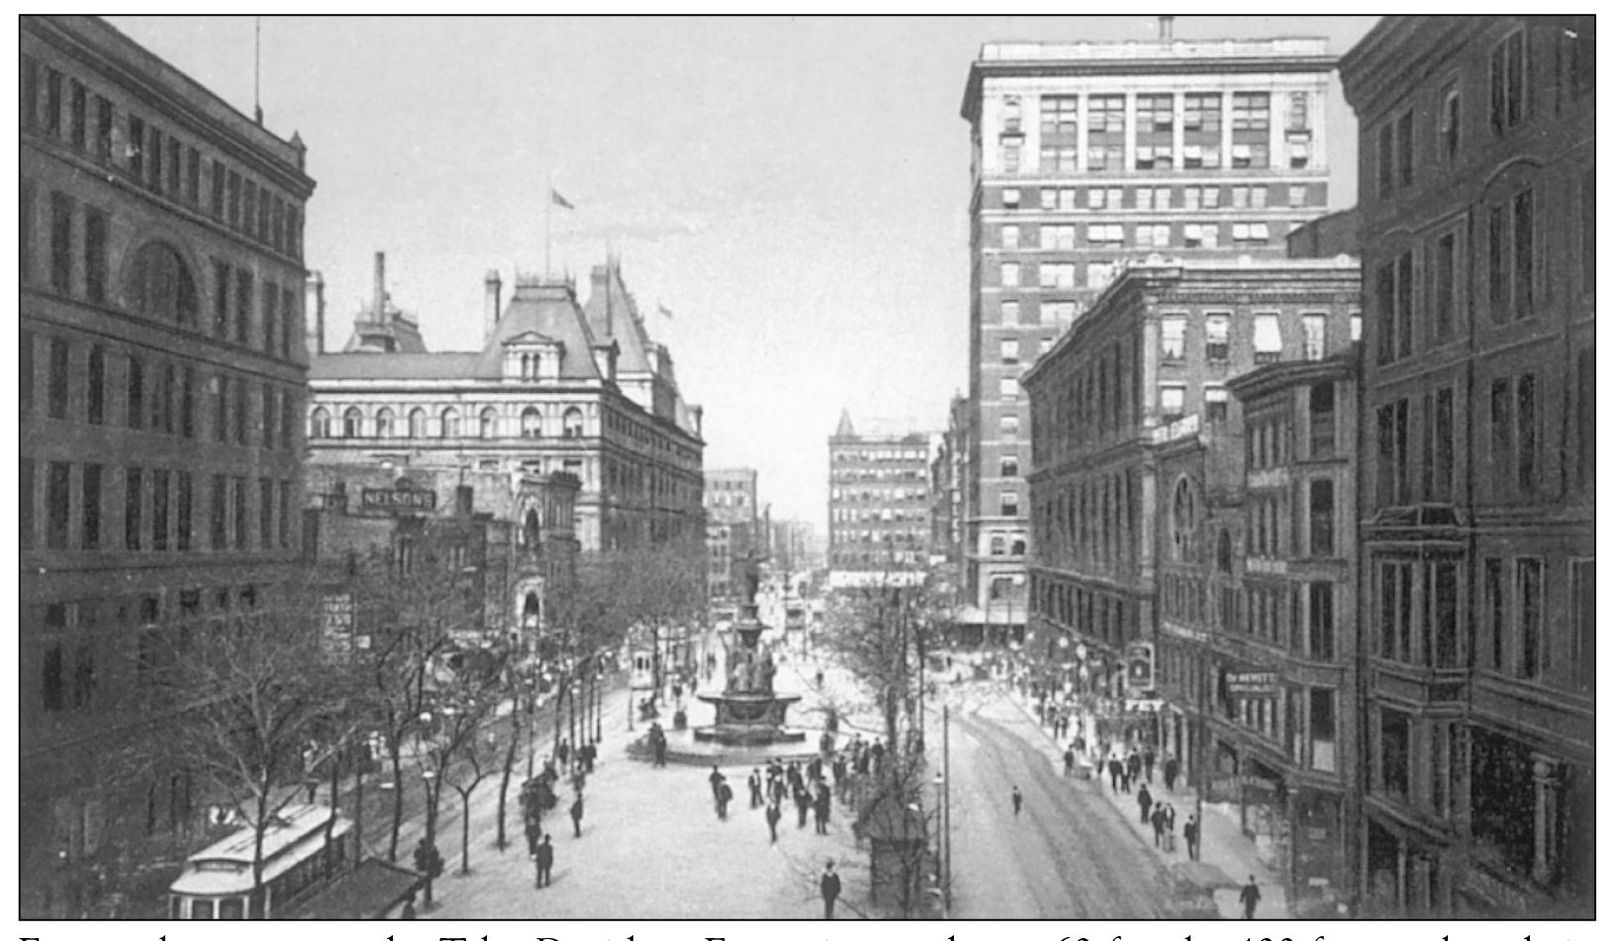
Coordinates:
column 793, row 190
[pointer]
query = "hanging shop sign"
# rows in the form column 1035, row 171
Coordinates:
column 1139, row 665
column 1253, row 684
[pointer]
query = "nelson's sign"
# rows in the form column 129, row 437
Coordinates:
column 398, row 500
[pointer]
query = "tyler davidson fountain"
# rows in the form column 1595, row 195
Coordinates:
column 750, row 716
column 749, row 711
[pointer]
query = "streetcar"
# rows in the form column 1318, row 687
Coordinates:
column 217, row 882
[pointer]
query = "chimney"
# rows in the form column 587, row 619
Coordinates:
column 379, row 296
column 697, row 419
column 492, row 302
column 315, row 307
column 1165, row 28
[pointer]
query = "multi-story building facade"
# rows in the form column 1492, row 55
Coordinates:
column 877, row 507
column 161, row 281
column 508, row 536
column 1084, row 154
column 1149, row 365
column 1478, row 176
column 736, row 541
column 557, row 387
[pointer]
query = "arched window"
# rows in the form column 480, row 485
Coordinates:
column 1223, row 552
column 531, row 528
column 160, row 285
column 1182, row 521
column 418, row 424
column 486, row 423
column 531, row 610
column 351, row 423
column 320, row 423
column 573, row 423
column 450, row 423
column 385, row 422
column 531, row 422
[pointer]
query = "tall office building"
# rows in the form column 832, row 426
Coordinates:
column 878, row 506
column 736, row 541
column 1479, row 478
column 1085, row 154
column 162, row 387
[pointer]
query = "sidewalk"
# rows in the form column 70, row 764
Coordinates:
column 1226, row 858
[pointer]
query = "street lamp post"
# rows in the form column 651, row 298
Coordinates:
column 944, row 779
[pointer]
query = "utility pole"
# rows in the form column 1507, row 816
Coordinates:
column 945, row 823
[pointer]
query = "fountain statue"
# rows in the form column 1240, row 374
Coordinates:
column 748, row 711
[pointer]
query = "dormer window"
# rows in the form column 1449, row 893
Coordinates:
column 531, row 357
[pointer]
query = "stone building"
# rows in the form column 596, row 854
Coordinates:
column 736, row 538
column 1085, row 154
column 162, row 383
column 1148, row 367
column 557, row 387
column 1478, row 181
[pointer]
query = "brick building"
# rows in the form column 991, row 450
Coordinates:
column 1478, row 180
column 735, row 530
column 1147, row 368
column 162, row 379
column 1085, row 154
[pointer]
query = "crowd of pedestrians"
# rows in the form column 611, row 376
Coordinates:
column 539, row 795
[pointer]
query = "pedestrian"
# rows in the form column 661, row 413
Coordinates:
column 1157, row 818
column 1145, row 801
column 715, row 777
column 543, row 856
column 1147, row 765
column 1250, row 897
column 1116, row 773
column 1018, row 801
column 723, row 799
column 531, row 832
column 801, row 800
column 1133, row 768
column 408, row 913
column 877, row 756
column 1172, row 767
column 562, row 753
column 578, row 778
column 756, row 795
column 823, row 807
column 831, row 885
column 659, row 743
column 1068, row 762
column 1169, row 827
column 1189, row 832
column 590, row 757
column 576, row 811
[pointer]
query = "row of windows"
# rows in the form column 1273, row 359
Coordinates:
column 1504, row 107
column 1153, row 198
column 160, row 397
column 1146, row 235
column 1297, row 617
column 158, row 282
column 1274, row 518
column 885, row 515
column 1155, row 112
column 1270, row 440
column 1514, row 463
column 848, row 455
column 1109, row 157
column 845, row 537
column 1097, row 402
column 881, row 474
column 386, row 424
column 1416, row 610
column 61, row 107
column 880, row 494
column 623, row 428
column 1092, row 614
column 875, row 561
column 80, row 505
column 1091, row 524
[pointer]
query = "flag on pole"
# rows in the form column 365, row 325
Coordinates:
column 557, row 198
column 665, row 311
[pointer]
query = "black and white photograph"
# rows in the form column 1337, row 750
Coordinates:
column 717, row 469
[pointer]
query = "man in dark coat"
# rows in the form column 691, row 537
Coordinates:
column 1133, row 767
column 1018, row 801
column 531, row 831
column 773, row 816
column 823, row 807
column 801, row 800
column 1157, row 818
column 1147, row 765
column 1172, row 767
column 722, row 800
column 831, row 885
column 576, row 812
column 756, row 794
column 1190, row 834
column 1250, row 897
column 1144, row 800
column 715, row 777
column 1116, row 772
column 562, row 753
column 1068, row 762
column 543, row 856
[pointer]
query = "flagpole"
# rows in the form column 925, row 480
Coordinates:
column 549, row 200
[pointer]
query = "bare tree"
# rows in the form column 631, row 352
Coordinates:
column 662, row 589
column 253, row 698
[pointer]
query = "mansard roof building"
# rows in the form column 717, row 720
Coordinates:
column 557, row 386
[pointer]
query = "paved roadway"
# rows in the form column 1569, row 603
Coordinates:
column 1068, row 855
